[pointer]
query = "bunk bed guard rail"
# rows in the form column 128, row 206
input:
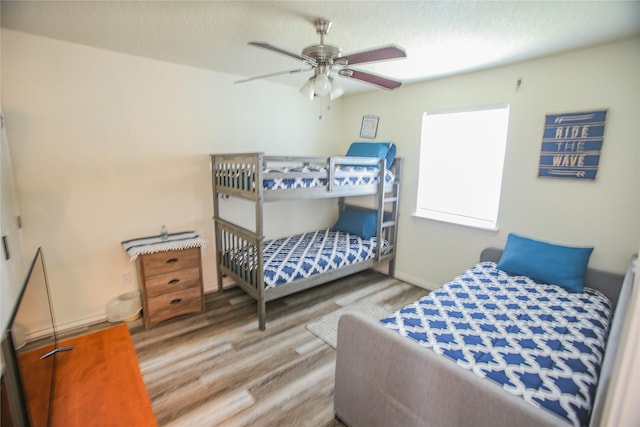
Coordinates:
column 238, row 174
column 239, row 254
column 241, row 175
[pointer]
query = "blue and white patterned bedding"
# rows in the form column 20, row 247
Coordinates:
column 343, row 176
column 304, row 255
column 541, row 342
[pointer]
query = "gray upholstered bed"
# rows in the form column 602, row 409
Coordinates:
column 385, row 379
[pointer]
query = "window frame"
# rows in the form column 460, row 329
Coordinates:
column 489, row 219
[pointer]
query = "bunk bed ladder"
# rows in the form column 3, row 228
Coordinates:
column 391, row 225
column 387, row 227
column 380, row 203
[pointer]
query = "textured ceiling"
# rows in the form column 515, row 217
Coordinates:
column 441, row 37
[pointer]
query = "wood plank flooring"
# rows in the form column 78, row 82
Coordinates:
column 218, row 369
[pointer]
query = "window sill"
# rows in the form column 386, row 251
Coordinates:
column 468, row 224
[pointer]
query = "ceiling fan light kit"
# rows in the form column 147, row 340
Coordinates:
column 336, row 91
column 321, row 85
column 327, row 61
column 307, row 89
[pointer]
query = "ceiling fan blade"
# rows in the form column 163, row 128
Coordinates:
column 264, row 76
column 307, row 59
column 373, row 79
column 382, row 53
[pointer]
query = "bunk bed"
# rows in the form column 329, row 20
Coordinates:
column 361, row 238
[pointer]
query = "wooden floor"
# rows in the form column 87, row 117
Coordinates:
column 218, row 369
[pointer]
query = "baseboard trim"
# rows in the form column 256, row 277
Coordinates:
column 417, row 281
column 73, row 327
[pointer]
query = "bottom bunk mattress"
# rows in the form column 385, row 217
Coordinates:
column 303, row 255
column 541, row 342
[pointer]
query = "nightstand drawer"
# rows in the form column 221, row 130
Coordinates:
column 172, row 281
column 163, row 262
column 173, row 304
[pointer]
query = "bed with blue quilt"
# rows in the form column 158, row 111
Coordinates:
column 305, row 255
column 361, row 171
column 360, row 239
column 489, row 348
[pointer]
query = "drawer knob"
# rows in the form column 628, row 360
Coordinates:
column 172, row 260
column 176, row 301
column 173, row 281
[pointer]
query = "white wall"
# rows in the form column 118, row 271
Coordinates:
column 604, row 213
column 109, row 147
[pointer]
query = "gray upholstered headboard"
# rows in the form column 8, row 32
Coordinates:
column 609, row 284
column 617, row 288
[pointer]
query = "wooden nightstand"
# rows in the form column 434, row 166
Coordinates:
column 171, row 284
column 169, row 274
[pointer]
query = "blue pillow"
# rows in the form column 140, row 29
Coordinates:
column 379, row 150
column 545, row 262
column 363, row 222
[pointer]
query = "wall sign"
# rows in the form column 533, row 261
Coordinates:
column 571, row 145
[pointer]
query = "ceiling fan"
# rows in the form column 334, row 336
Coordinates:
column 327, row 61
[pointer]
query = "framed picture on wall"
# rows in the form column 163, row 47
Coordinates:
column 369, row 127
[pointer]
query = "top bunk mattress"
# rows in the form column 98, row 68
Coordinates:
column 540, row 342
column 307, row 177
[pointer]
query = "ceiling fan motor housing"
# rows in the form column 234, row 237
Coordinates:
column 322, row 53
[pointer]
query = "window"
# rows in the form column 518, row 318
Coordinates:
column 461, row 162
